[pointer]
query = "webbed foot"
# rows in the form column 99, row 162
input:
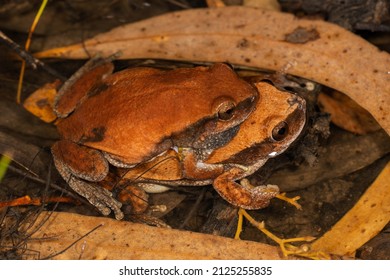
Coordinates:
column 99, row 197
column 284, row 244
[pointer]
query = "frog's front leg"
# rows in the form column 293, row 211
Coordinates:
column 193, row 167
column 243, row 194
column 78, row 163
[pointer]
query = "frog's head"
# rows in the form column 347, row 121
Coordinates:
column 276, row 122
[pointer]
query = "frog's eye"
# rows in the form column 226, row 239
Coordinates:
column 280, row 131
column 226, row 110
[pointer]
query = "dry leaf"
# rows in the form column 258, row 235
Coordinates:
column 40, row 102
column 263, row 4
column 365, row 220
column 345, row 113
column 325, row 53
column 215, row 3
column 125, row 240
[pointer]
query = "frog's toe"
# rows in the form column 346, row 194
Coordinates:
column 102, row 199
column 105, row 204
column 112, row 205
column 118, row 214
column 285, row 244
column 115, row 206
column 103, row 209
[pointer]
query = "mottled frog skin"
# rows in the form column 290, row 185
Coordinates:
column 132, row 116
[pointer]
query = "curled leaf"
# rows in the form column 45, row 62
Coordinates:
column 40, row 102
column 329, row 54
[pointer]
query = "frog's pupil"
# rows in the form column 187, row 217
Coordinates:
column 227, row 114
column 280, row 131
column 229, row 111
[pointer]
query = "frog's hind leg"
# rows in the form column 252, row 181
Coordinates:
column 76, row 163
column 81, row 161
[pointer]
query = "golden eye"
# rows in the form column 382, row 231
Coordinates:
column 280, row 131
column 226, row 110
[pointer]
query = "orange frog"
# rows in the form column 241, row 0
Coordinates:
column 132, row 116
column 276, row 122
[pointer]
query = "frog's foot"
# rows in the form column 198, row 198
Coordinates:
column 243, row 195
column 292, row 200
column 284, row 244
column 99, row 197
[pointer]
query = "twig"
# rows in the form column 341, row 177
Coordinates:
column 31, row 60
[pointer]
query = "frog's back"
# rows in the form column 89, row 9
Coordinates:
column 134, row 112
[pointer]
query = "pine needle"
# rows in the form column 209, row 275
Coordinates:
column 27, row 46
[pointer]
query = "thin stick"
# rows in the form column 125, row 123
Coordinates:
column 29, row 58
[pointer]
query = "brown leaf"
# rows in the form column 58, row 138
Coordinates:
column 125, row 240
column 247, row 36
column 40, row 102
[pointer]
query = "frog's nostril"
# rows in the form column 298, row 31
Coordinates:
column 292, row 100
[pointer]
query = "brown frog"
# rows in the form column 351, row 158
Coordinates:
column 131, row 116
column 276, row 122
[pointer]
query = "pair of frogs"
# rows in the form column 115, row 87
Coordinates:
column 201, row 125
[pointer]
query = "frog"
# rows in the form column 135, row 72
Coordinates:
column 277, row 121
column 129, row 117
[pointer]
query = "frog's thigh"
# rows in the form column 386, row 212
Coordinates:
column 244, row 196
column 81, row 161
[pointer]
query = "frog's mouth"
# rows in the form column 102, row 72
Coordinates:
column 273, row 154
